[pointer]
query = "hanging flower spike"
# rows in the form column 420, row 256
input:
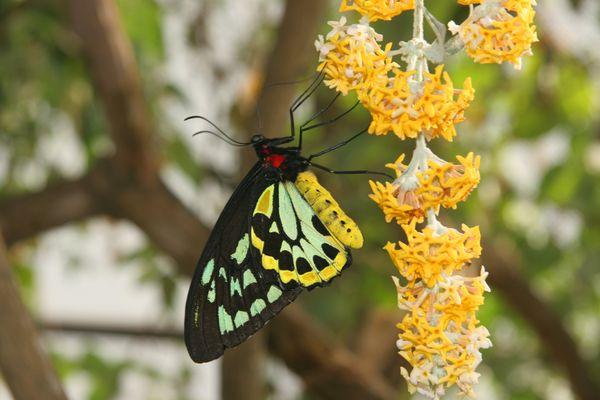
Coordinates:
column 402, row 105
column 433, row 255
column 440, row 336
column 498, row 31
column 376, row 10
column 351, row 56
column 428, row 182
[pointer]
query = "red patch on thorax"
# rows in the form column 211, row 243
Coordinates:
column 275, row 159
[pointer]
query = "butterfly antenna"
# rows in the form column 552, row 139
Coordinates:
column 217, row 128
column 222, row 138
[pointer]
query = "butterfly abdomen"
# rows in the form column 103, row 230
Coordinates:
column 329, row 211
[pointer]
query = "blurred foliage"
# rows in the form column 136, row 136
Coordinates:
column 555, row 91
column 105, row 376
column 156, row 271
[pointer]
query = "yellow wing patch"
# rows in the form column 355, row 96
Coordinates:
column 265, row 202
column 313, row 257
column 329, row 211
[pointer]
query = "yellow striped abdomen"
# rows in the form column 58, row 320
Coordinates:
column 329, row 211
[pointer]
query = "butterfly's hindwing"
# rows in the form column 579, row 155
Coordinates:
column 292, row 240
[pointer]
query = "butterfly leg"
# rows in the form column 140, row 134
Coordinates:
column 312, row 88
column 320, row 112
column 305, row 128
column 355, row 172
column 337, row 146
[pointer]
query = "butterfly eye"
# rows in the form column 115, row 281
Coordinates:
column 257, row 138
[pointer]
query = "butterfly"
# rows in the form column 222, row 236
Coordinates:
column 280, row 232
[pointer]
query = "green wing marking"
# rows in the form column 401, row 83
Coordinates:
column 293, row 241
column 241, row 250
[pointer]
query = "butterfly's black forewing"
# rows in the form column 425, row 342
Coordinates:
column 230, row 296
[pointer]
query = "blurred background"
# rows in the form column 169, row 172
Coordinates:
column 106, row 201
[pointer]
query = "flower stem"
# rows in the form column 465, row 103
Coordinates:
column 419, row 17
column 419, row 36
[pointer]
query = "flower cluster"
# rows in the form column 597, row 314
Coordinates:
column 497, row 31
column 408, row 107
column 378, row 9
column 351, row 57
column 440, row 335
column 433, row 254
column 428, row 182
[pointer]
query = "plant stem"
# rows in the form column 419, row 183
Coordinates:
column 419, row 35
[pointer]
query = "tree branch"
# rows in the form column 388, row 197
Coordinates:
column 144, row 332
column 542, row 318
column 27, row 215
column 27, row 370
column 296, row 339
column 116, row 77
column 167, row 222
column 375, row 345
column 326, row 368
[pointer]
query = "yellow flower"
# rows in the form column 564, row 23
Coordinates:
column 433, row 254
column 440, row 336
column 402, row 105
column 496, row 32
column 400, row 206
column 378, row 9
column 397, row 202
column 416, row 190
column 446, row 184
column 351, row 56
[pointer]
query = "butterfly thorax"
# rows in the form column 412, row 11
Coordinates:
column 280, row 163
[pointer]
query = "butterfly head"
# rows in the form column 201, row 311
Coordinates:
column 277, row 161
column 257, row 139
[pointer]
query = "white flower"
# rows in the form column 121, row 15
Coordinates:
column 323, row 47
column 337, row 27
column 453, row 27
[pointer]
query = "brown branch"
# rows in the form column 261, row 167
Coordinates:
column 326, row 368
column 26, row 369
column 106, row 190
column 167, row 222
column 144, row 332
column 375, row 345
column 243, row 370
column 542, row 318
column 116, row 77
column 27, row 215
